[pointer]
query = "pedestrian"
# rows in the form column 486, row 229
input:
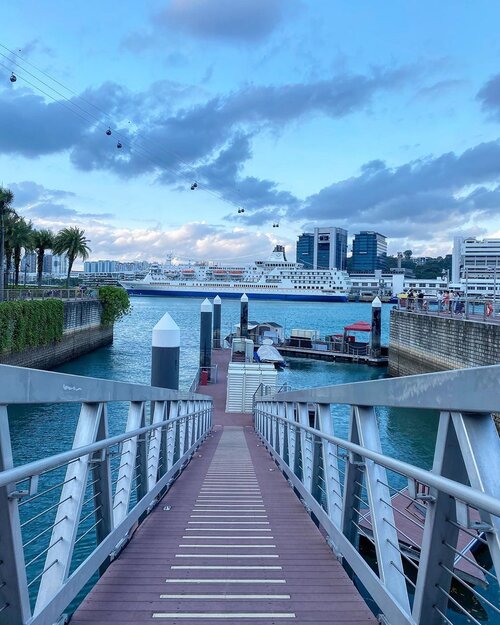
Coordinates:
column 420, row 299
column 446, row 301
column 440, row 300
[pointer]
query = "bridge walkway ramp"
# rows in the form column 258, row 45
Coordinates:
column 229, row 543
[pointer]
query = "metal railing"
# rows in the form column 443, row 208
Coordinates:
column 462, row 308
column 197, row 380
column 423, row 528
column 34, row 293
column 65, row 517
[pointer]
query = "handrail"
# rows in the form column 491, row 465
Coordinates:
column 357, row 493
column 436, row 391
column 460, row 491
column 110, row 484
column 32, row 386
column 18, row 474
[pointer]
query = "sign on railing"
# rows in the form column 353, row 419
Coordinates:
column 427, row 532
column 65, row 517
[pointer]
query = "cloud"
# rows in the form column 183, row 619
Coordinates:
column 439, row 89
column 489, row 96
column 41, row 204
column 423, row 197
column 247, row 21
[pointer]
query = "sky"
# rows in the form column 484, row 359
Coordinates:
column 365, row 115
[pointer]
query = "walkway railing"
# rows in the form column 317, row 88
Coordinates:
column 65, row 517
column 15, row 295
column 420, row 524
column 462, row 308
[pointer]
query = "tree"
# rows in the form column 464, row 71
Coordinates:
column 407, row 254
column 6, row 199
column 42, row 240
column 20, row 239
column 72, row 242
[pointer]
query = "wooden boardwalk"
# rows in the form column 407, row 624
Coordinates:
column 229, row 543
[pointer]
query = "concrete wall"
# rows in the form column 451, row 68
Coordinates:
column 81, row 314
column 73, row 344
column 424, row 343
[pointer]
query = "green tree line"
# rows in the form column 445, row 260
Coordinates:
column 18, row 237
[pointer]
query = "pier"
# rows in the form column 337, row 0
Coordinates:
column 200, row 515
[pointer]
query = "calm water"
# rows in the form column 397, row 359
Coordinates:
column 43, row 430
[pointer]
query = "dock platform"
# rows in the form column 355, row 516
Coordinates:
column 331, row 356
column 229, row 543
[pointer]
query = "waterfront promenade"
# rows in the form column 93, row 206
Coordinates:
column 229, row 543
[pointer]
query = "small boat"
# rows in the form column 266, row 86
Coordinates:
column 268, row 353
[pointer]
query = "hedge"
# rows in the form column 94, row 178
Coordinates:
column 115, row 304
column 30, row 324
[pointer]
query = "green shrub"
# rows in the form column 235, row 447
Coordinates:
column 115, row 304
column 30, row 324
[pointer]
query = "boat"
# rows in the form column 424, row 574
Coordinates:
column 269, row 354
column 274, row 278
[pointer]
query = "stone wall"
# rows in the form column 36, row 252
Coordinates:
column 73, row 344
column 424, row 343
column 81, row 314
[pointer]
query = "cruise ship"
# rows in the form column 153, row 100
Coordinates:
column 274, row 278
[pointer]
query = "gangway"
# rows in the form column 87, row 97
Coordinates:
column 193, row 515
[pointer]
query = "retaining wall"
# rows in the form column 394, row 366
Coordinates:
column 82, row 334
column 424, row 343
column 74, row 343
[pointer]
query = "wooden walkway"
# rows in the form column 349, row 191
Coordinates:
column 229, row 543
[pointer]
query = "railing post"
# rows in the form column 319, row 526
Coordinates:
column 128, row 459
column 389, row 562
column 163, row 442
column 182, row 428
column 14, row 596
column 155, row 443
column 58, row 560
column 103, row 497
column 352, row 490
column 172, row 434
column 330, row 466
column 306, row 447
column 292, row 437
column 432, row 577
column 281, row 430
column 141, row 477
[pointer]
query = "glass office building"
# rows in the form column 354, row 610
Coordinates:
column 305, row 250
column 325, row 248
column 369, row 252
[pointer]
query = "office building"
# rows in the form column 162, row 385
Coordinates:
column 476, row 265
column 369, row 252
column 325, row 248
column 305, row 250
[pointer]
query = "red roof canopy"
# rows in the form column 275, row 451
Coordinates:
column 359, row 326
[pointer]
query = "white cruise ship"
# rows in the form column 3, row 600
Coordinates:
column 274, row 278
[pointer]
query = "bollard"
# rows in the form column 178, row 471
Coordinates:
column 206, row 336
column 244, row 316
column 375, row 348
column 217, row 323
column 165, row 343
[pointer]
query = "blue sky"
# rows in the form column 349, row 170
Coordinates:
column 366, row 115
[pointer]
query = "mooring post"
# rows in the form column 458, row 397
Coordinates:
column 165, row 350
column 205, row 339
column 375, row 349
column 244, row 316
column 217, row 323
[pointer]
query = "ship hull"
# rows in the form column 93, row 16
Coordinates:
column 236, row 294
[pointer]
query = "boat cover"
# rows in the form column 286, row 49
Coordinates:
column 268, row 353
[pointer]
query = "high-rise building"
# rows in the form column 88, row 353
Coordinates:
column 369, row 252
column 59, row 264
column 476, row 263
column 325, row 248
column 305, row 250
column 28, row 262
column 47, row 263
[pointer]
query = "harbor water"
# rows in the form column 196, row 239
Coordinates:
column 44, row 430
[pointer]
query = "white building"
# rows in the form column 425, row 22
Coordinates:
column 476, row 265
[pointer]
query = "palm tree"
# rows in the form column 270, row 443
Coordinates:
column 72, row 242
column 42, row 240
column 20, row 239
column 6, row 199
